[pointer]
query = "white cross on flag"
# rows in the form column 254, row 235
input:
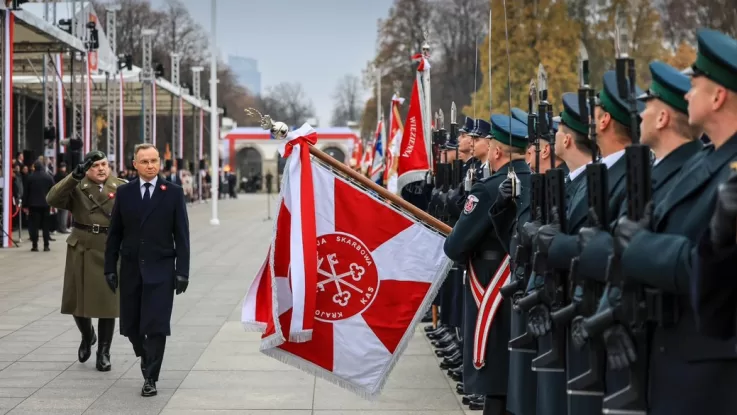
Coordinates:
column 347, row 317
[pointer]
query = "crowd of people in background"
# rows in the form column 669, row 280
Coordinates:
column 32, row 180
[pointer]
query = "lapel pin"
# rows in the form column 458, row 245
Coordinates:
column 162, row 187
column 111, row 195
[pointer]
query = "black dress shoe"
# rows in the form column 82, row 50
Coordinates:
column 149, row 388
column 451, row 363
column 34, row 249
column 439, row 334
column 448, row 351
column 476, row 406
column 47, row 249
column 429, row 328
column 458, row 377
column 459, row 389
column 468, row 399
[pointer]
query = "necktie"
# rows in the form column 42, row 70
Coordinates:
column 568, row 180
column 147, row 193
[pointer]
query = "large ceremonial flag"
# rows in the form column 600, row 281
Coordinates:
column 377, row 270
column 393, row 141
column 413, row 161
column 376, row 171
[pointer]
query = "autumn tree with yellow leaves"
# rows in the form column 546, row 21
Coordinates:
column 539, row 32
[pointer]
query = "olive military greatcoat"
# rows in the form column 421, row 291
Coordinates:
column 85, row 293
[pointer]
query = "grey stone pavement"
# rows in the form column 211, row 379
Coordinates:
column 211, row 365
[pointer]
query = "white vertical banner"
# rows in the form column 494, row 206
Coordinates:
column 7, row 158
column 60, row 109
column 202, row 135
column 123, row 163
column 180, row 154
column 153, row 113
column 88, row 108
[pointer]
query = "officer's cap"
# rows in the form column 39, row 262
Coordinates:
column 508, row 130
column 483, row 129
column 473, row 132
column 716, row 59
column 615, row 105
column 94, row 155
column 668, row 85
column 571, row 115
column 468, row 126
column 519, row 115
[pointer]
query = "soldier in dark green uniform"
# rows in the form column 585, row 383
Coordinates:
column 689, row 373
column 473, row 242
column 89, row 194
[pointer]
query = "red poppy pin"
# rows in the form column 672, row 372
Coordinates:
column 111, row 195
column 162, row 187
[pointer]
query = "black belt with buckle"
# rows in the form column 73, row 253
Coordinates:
column 91, row 228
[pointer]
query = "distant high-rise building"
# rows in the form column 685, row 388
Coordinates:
column 246, row 72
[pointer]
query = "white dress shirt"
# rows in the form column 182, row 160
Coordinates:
column 151, row 189
column 575, row 173
column 612, row 158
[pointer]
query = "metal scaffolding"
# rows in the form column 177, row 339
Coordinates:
column 111, row 90
column 149, row 83
column 20, row 120
column 196, row 73
column 177, row 152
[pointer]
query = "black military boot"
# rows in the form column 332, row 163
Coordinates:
column 88, row 338
column 106, row 327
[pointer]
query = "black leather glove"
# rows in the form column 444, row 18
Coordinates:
column 538, row 320
column 587, row 233
column 547, row 232
column 620, row 348
column 723, row 224
column 91, row 158
column 579, row 335
column 181, row 284
column 505, row 197
column 529, row 231
column 627, row 228
column 112, row 281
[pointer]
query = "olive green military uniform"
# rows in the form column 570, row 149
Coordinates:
column 86, row 294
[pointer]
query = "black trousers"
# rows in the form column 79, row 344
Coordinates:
column 150, row 348
column 39, row 218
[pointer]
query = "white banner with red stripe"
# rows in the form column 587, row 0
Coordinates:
column 376, row 271
column 181, row 131
column 60, row 108
column 487, row 299
column 153, row 112
column 88, row 106
column 122, row 163
column 7, row 156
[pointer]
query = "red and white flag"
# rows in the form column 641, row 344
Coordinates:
column 377, row 270
column 394, row 139
column 413, row 162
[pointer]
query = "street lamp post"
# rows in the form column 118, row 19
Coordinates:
column 214, row 139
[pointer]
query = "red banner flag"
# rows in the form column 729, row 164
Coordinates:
column 412, row 163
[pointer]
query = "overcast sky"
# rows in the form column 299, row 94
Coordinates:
column 314, row 42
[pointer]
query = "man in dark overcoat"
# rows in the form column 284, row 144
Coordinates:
column 149, row 233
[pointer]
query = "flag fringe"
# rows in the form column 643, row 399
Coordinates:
column 301, row 336
column 410, row 177
column 253, row 326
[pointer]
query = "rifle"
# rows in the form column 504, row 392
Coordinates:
column 515, row 289
column 456, row 175
column 553, row 359
column 585, row 293
column 631, row 309
column 554, row 190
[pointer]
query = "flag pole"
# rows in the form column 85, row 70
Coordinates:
column 280, row 131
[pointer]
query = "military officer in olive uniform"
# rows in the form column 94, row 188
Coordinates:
column 689, row 373
column 472, row 241
column 88, row 194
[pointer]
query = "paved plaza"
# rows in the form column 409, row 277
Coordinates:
column 211, row 365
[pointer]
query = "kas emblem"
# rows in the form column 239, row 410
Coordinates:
column 470, row 205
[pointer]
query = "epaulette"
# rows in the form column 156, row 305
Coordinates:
column 122, row 180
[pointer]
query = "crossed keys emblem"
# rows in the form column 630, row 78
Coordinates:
column 355, row 271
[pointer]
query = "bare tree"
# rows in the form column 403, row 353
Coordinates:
column 287, row 102
column 459, row 28
column 347, row 97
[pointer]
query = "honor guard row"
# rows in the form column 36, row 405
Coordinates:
column 592, row 260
